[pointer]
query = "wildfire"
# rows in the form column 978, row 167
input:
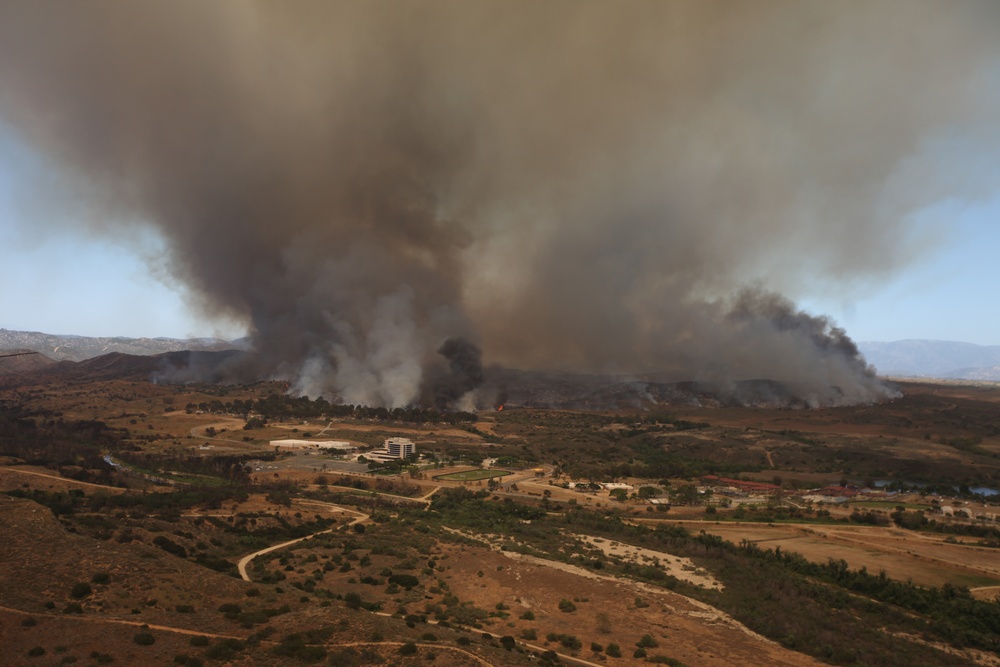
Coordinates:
column 500, row 408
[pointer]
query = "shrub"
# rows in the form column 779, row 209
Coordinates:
column 101, row 578
column 36, row 652
column 73, row 608
column 613, row 651
column 566, row 606
column 527, row 616
column 647, row 641
column 220, row 651
column 529, row 633
column 81, row 590
column 639, row 653
column 29, row 622
column 404, row 580
column 409, row 648
column 144, row 638
column 198, row 640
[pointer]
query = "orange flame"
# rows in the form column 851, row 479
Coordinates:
column 500, row 408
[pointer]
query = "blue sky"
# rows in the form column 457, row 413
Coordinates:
column 58, row 280
column 948, row 294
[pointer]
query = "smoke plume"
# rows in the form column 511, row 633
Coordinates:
column 608, row 187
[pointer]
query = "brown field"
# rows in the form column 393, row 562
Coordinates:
column 936, row 429
column 925, row 559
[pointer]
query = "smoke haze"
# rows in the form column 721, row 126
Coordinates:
column 606, row 187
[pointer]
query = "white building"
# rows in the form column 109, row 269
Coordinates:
column 393, row 448
column 325, row 445
column 399, row 448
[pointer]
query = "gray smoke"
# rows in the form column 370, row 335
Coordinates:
column 575, row 185
column 465, row 372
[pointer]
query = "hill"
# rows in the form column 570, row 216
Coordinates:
column 78, row 348
column 934, row 358
column 20, row 361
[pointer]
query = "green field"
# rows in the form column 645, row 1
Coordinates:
column 471, row 475
column 888, row 505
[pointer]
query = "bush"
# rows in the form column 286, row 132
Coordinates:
column 198, row 640
column 144, row 638
column 566, row 606
column 81, row 590
column 639, row 653
column 647, row 641
column 101, row 578
column 613, row 651
column 404, row 580
column 36, row 652
column 529, row 633
column 409, row 648
column 220, row 651
column 527, row 616
column 73, row 608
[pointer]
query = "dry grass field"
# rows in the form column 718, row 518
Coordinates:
column 406, row 567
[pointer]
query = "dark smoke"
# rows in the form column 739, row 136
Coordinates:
column 575, row 185
column 465, row 372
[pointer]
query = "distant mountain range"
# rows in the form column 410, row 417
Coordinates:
column 903, row 358
column 79, row 348
column 934, row 359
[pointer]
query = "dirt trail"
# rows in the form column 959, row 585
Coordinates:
column 121, row 621
column 698, row 610
column 242, row 565
column 67, row 480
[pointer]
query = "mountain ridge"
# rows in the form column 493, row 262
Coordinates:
column 941, row 359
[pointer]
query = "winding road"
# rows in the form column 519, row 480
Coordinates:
column 242, row 565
